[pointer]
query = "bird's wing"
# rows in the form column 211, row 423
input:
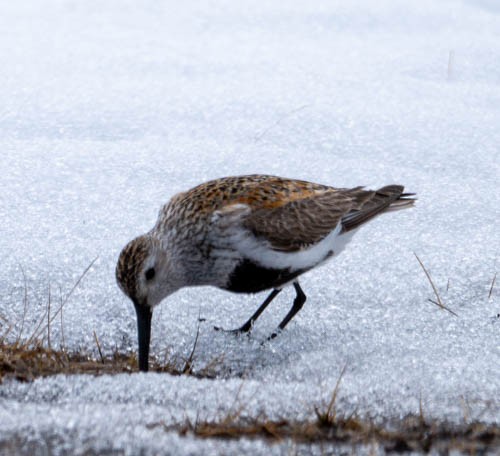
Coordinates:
column 300, row 223
column 290, row 215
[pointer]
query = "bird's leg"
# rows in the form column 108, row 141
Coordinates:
column 298, row 302
column 248, row 325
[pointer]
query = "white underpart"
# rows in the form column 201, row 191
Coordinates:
column 233, row 240
column 260, row 251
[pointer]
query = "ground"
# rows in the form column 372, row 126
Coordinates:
column 107, row 110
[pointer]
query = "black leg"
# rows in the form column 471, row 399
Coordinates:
column 298, row 302
column 248, row 325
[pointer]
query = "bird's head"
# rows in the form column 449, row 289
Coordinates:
column 145, row 273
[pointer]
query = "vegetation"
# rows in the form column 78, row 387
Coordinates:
column 25, row 358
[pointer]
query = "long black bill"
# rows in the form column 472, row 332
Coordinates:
column 144, row 314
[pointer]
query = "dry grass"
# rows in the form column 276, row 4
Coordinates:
column 438, row 301
column 492, row 285
column 329, row 416
column 27, row 363
column 28, row 356
column 414, row 433
column 408, row 434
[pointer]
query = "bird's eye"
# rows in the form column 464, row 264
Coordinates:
column 150, row 273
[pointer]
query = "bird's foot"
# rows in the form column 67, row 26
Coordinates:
column 242, row 330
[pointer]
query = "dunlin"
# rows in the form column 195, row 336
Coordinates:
column 244, row 234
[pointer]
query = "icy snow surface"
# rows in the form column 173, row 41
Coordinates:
column 107, row 109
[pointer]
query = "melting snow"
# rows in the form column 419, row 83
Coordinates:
column 108, row 109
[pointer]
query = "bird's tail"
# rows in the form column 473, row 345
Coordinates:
column 386, row 199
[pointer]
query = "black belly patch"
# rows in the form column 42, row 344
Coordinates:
column 249, row 277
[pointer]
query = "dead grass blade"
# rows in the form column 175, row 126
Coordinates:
column 34, row 339
column 27, row 359
column 7, row 332
column 234, row 412
column 63, row 341
column 82, row 275
column 25, row 305
column 27, row 363
column 492, row 285
column 421, row 416
column 188, row 366
column 98, row 347
column 439, row 303
column 36, row 335
column 410, row 434
column 48, row 320
column 330, row 415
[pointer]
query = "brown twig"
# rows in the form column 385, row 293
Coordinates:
column 328, row 417
column 439, row 302
column 25, row 304
column 82, row 275
column 421, row 416
column 408, row 434
column 10, row 326
column 98, row 347
column 48, row 321
column 63, row 341
column 188, row 367
column 234, row 412
column 35, row 335
column 492, row 285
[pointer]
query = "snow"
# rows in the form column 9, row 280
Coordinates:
column 109, row 109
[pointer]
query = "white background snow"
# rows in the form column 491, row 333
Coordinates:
column 107, row 109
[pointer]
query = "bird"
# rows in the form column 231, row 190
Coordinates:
column 245, row 234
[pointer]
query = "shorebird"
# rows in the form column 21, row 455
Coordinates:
column 245, row 234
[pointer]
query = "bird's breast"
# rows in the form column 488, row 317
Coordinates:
column 250, row 277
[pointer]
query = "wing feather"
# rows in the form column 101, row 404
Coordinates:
column 300, row 223
column 291, row 215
